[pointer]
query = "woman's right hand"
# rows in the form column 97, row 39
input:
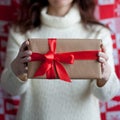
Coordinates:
column 19, row 64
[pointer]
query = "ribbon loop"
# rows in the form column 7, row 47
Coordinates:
column 69, row 58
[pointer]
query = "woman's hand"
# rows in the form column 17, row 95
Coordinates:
column 106, row 69
column 19, row 64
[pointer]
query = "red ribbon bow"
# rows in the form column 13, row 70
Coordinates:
column 51, row 61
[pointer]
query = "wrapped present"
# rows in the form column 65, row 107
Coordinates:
column 65, row 59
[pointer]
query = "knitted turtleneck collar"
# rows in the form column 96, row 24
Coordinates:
column 71, row 18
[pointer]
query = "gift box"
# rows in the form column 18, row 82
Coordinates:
column 65, row 59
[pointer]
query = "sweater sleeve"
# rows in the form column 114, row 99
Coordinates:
column 9, row 81
column 112, row 86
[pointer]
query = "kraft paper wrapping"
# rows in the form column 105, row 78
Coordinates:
column 81, row 69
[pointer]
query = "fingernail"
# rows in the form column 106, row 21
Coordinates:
column 29, row 52
column 29, row 58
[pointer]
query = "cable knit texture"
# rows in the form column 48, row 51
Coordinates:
column 56, row 99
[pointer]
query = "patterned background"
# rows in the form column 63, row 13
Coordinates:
column 107, row 11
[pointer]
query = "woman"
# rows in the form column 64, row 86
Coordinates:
column 57, row 100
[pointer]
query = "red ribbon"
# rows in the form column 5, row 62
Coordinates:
column 51, row 61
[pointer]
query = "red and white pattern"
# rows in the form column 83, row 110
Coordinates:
column 107, row 11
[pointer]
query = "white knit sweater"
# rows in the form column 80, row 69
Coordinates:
column 56, row 99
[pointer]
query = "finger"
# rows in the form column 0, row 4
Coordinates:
column 26, row 53
column 103, row 66
column 102, row 60
column 24, row 46
column 25, row 60
column 103, row 55
column 26, row 69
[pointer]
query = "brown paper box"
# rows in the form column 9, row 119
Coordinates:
column 81, row 69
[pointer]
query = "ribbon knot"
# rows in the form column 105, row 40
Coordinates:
column 49, row 55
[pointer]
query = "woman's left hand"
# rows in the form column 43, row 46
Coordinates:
column 105, row 67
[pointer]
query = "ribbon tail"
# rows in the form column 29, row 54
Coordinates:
column 51, row 73
column 62, row 72
column 43, row 69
